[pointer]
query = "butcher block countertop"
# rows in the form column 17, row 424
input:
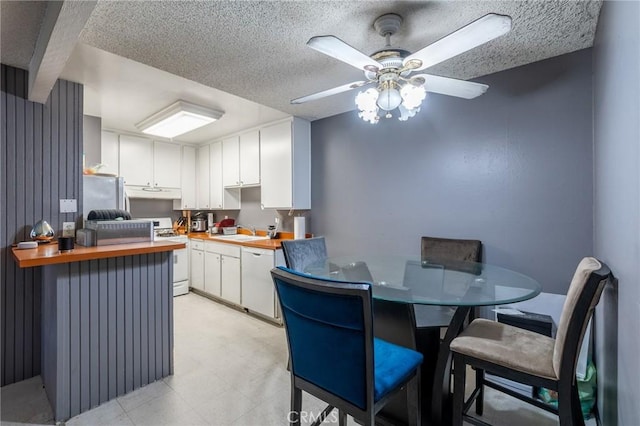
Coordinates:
column 48, row 254
column 268, row 244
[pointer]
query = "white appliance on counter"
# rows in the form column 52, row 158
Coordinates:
column 163, row 231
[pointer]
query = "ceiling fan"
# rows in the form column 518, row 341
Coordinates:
column 392, row 70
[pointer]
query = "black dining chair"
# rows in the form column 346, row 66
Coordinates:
column 298, row 254
column 334, row 354
column 442, row 251
column 528, row 357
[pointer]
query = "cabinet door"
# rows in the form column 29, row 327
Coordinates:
column 215, row 175
column 276, row 166
column 202, row 184
column 166, row 165
column 212, row 273
column 231, row 161
column 250, row 158
column 136, row 160
column 230, row 276
column 109, row 153
column 188, row 181
column 258, row 293
column 197, row 269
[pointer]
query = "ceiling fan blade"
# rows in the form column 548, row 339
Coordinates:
column 451, row 86
column 329, row 92
column 466, row 38
column 336, row 48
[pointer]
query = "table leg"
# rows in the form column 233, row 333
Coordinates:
column 441, row 394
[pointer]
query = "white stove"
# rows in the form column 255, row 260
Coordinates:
column 163, row 231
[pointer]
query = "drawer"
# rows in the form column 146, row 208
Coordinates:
column 197, row 244
column 232, row 250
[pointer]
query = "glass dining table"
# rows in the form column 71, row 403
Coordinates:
column 456, row 286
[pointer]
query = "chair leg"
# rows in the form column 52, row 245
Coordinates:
column 480, row 397
column 342, row 418
column 296, row 406
column 414, row 415
column 460, row 372
column 569, row 410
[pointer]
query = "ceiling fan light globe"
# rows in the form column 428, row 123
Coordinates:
column 389, row 99
column 406, row 113
column 412, row 96
column 366, row 100
column 369, row 116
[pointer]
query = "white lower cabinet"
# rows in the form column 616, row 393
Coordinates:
column 197, row 264
column 212, row 277
column 258, row 293
column 230, row 278
column 222, row 271
column 236, row 274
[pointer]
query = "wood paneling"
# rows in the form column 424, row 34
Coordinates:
column 40, row 162
column 97, row 347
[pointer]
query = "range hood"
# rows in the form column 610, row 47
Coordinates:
column 153, row 193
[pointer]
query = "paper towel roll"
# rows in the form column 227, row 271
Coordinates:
column 299, row 225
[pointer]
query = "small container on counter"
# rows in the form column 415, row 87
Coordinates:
column 65, row 244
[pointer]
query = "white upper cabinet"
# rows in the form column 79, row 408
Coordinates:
column 250, row 158
column 147, row 163
column 136, row 160
column 109, row 153
column 231, row 161
column 166, row 165
column 202, row 184
column 241, row 160
column 285, row 165
column 188, row 180
column 215, row 175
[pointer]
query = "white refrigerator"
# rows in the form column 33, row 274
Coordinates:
column 102, row 192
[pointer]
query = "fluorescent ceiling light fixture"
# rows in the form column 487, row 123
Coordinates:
column 177, row 119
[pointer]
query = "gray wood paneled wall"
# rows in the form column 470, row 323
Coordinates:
column 108, row 328
column 40, row 163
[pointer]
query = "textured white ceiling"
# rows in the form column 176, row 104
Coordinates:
column 256, row 49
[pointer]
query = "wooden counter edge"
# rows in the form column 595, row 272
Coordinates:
column 49, row 255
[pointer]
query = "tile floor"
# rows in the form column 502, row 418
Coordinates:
column 229, row 369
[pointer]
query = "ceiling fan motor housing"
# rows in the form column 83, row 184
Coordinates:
column 388, row 24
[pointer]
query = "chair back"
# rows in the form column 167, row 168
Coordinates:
column 298, row 254
column 329, row 332
column 437, row 250
column 584, row 293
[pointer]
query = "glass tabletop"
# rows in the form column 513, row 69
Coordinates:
column 408, row 279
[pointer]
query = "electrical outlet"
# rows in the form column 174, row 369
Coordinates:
column 68, row 229
column 68, row 206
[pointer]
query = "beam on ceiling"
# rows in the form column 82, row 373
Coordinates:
column 63, row 21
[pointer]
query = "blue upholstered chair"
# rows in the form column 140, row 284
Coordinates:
column 334, row 355
column 298, row 254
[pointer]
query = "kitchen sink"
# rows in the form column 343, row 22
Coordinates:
column 241, row 237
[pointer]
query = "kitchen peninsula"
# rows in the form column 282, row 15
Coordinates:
column 107, row 320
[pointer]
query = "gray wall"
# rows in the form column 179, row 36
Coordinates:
column 40, row 160
column 252, row 215
column 617, row 207
column 512, row 168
